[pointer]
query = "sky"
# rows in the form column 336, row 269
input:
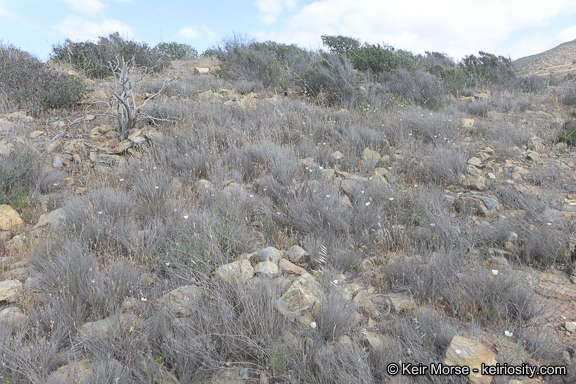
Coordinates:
column 512, row 28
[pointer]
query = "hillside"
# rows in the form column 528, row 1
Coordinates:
column 558, row 62
column 270, row 215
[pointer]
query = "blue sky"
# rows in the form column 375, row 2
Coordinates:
column 512, row 28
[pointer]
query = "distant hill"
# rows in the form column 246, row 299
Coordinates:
column 557, row 62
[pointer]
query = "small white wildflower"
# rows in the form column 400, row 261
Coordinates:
column 121, row 179
column 321, row 168
column 508, row 334
column 153, row 167
column 432, row 224
column 56, row 184
column 458, row 351
column 328, row 195
column 335, row 282
column 100, row 212
column 141, row 169
column 415, row 185
column 389, row 167
column 167, row 264
column 361, row 191
column 186, row 217
column 251, row 195
column 156, row 187
column 264, row 189
column 495, row 272
column 549, row 223
column 143, row 299
column 391, row 198
column 313, row 325
column 367, row 203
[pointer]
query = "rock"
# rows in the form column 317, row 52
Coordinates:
column 107, row 327
column 296, row 254
column 9, row 290
column 6, row 125
column 53, row 219
column 535, row 157
column 301, row 296
column 266, row 268
column 35, row 134
column 57, row 163
column 270, row 253
column 233, row 375
column 337, row 155
column 80, row 372
column 206, row 95
column 570, row 326
column 482, row 95
column 236, row 272
column 179, row 300
column 536, row 144
column 14, row 317
column 476, row 204
column 376, row 341
column 353, row 184
column 201, row 70
column 476, row 182
column 345, row 201
column 288, row 268
column 371, row 156
column 362, row 300
column 463, row 351
column 475, row 161
column 10, row 219
column 122, row 147
column 397, row 302
column 6, row 148
column 556, row 287
column 466, row 123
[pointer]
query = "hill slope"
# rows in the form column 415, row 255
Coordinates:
column 556, row 62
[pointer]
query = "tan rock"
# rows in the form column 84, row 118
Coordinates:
column 296, row 254
column 109, row 326
column 463, row 351
column 9, row 290
column 300, row 297
column 179, row 301
column 371, row 156
column 79, row 372
column 10, row 219
column 362, row 300
column 238, row 271
column 466, row 123
column 266, row 267
column 201, row 70
column 337, row 155
column 287, row 268
column 555, row 286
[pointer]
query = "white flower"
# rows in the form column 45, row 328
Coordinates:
column 495, row 272
column 313, row 325
column 390, row 198
column 458, row 351
column 121, row 179
column 367, row 203
column 156, row 187
column 185, row 217
column 143, row 299
column 100, row 212
column 508, row 334
column 335, row 282
column 167, row 264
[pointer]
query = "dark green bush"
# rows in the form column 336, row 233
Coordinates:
column 568, row 134
column 488, row 68
column 29, row 83
column 271, row 63
column 341, row 44
column 93, row 58
column 176, row 51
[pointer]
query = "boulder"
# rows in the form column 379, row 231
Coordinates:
column 270, row 253
column 267, row 267
column 300, row 297
column 463, row 351
column 180, row 300
column 370, row 156
column 107, row 327
column 201, row 70
column 288, row 268
column 296, row 254
column 477, row 204
column 79, row 372
column 236, row 272
column 10, row 219
column 9, row 290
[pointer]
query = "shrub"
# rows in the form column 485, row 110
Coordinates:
column 567, row 95
column 378, row 59
column 568, row 134
column 341, row 45
column 488, row 68
column 28, row 83
column 94, row 58
column 271, row 63
column 332, row 79
column 417, row 86
column 176, row 51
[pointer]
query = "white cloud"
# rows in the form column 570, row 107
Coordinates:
column 195, row 31
column 457, row 27
column 86, row 6
column 270, row 10
column 567, row 34
column 80, row 29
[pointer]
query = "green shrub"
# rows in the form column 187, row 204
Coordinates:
column 488, row 68
column 29, row 83
column 176, row 51
column 568, row 134
column 271, row 63
column 93, row 58
column 13, row 171
column 341, row 44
